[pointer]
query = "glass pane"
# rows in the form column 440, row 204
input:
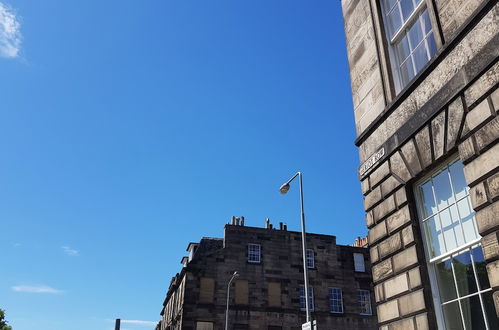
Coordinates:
column 415, row 34
column 443, row 190
column 407, row 8
column 453, row 233
column 465, row 277
column 490, row 311
column 425, row 21
column 388, row 5
column 435, row 239
column 446, row 286
column 468, row 220
column 428, row 201
column 481, row 271
column 420, row 56
column 394, row 22
column 472, row 313
column 406, row 71
column 403, row 49
column 432, row 46
column 458, row 181
column 452, row 316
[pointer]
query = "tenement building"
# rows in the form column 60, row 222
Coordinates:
column 269, row 293
column 424, row 77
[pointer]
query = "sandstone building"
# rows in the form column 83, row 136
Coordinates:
column 268, row 294
column 424, row 77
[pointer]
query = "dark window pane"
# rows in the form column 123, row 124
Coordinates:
column 425, row 20
column 403, row 49
column 420, row 56
column 490, row 311
column 445, row 278
column 432, row 46
column 480, row 268
column 452, row 316
column 394, row 22
column 465, row 278
column 415, row 35
column 472, row 313
column 388, row 5
column 406, row 71
column 407, row 8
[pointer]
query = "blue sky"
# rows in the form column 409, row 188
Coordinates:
column 128, row 129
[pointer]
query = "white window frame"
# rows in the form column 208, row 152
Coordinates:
column 253, row 256
column 359, row 262
column 432, row 261
column 392, row 42
column 310, row 258
column 331, row 300
column 364, row 297
column 311, row 303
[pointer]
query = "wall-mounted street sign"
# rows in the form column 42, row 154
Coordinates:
column 371, row 161
column 309, row 326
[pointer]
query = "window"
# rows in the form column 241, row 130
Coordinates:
column 364, row 299
column 241, row 292
column 335, row 300
column 274, row 291
column 310, row 298
column 411, row 43
column 206, row 290
column 358, row 259
column 310, row 258
column 204, row 325
column 254, row 254
column 459, row 281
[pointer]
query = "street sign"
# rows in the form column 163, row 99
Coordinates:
column 309, row 325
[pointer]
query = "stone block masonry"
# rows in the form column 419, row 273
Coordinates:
column 448, row 112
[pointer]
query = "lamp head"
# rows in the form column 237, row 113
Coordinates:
column 284, row 188
column 236, row 274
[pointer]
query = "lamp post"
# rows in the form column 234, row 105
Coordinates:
column 284, row 189
column 236, row 274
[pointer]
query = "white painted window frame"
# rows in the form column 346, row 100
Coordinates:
column 396, row 63
column 361, row 295
column 331, row 299
column 253, row 257
column 310, row 258
column 311, row 297
column 431, row 262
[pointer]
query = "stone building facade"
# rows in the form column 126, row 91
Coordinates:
column 424, row 77
column 268, row 293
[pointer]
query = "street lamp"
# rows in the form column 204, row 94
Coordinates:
column 284, row 189
column 236, row 274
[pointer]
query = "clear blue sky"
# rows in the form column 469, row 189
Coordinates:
column 130, row 128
